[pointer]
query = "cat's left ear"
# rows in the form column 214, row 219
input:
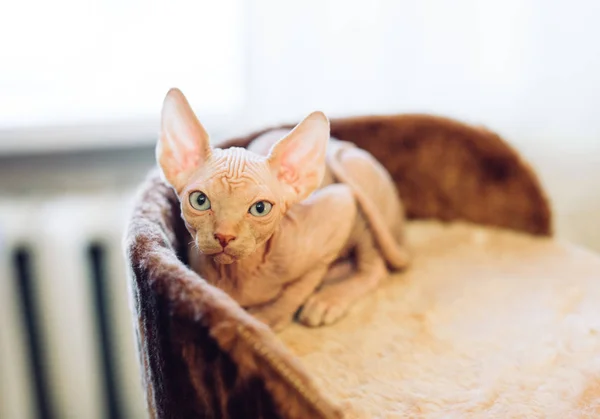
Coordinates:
column 183, row 145
column 299, row 157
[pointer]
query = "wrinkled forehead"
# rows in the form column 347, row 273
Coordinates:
column 233, row 171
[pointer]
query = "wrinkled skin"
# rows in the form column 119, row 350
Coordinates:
column 272, row 228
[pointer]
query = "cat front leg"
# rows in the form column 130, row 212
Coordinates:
column 280, row 313
column 331, row 302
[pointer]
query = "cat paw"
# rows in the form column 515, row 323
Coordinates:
column 273, row 318
column 322, row 309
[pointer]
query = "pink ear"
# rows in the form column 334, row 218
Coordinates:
column 183, row 145
column 299, row 157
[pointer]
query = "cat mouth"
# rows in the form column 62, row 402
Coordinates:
column 214, row 252
column 219, row 252
column 223, row 255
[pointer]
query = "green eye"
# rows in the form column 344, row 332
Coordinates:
column 199, row 201
column 260, row 208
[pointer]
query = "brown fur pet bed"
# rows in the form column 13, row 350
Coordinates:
column 494, row 318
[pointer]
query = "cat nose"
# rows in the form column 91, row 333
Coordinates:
column 224, row 239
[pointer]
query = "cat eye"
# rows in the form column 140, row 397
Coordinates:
column 199, row 201
column 260, row 208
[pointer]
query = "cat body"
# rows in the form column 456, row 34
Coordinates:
column 295, row 222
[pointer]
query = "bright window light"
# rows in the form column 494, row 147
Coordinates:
column 74, row 62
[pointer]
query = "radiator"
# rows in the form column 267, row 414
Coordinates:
column 67, row 346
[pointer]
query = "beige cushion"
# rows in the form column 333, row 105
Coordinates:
column 486, row 323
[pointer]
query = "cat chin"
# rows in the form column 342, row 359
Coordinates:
column 224, row 259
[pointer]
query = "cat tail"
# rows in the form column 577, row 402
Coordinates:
column 393, row 252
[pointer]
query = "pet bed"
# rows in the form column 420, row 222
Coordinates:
column 494, row 318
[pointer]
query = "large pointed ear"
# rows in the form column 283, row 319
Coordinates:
column 299, row 157
column 183, row 145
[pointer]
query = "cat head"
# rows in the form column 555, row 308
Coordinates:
column 232, row 200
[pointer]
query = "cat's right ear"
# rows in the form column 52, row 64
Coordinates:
column 183, row 145
column 298, row 159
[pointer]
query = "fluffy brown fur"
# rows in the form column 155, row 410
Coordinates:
column 204, row 357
